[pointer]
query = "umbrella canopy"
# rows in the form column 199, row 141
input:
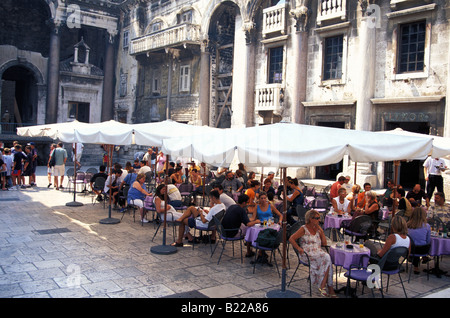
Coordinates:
column 108, row 132
column 154, row 133
column 49, row 130
column 296, row 145
column 440, row 145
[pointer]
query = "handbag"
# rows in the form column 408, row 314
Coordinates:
column 52, row 162
column 267, row 238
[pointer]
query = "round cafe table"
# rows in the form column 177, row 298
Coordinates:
column 252, row 232
column 334, row 221
column 439, row 246
column 345, row 257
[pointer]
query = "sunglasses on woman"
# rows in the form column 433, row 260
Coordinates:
column 316, row 218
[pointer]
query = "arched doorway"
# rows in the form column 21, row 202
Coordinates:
column 221, row 36
column 19, row 98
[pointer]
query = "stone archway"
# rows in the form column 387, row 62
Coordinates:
column 221, row 36
column 20, row 95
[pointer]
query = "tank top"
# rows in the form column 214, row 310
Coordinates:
column 399, row 241
column 263, row 215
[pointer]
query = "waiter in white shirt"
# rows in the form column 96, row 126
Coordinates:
column 432, row 169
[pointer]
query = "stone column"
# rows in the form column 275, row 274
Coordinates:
column 53, row 74
column 243, row 75
column 296, row 70
column 366, row 74
column 203, row 104
column 108, row 79
column 447, row 100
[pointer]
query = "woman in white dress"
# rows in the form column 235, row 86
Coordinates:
column 311, row 239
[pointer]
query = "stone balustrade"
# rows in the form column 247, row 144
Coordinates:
column 180, row 34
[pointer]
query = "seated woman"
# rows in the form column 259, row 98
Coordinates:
column 264, row 210
column 403, row 203
column 353, row 196
column 371, row 207
column 399, row 237
column 340, row 203
column 137, row 193
column 176, row 177
column 250, row 178
column 420, row 232
column 295, row 198
column 312, row 239
column 267, row 187
column 252, row 193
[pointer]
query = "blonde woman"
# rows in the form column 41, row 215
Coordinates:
column 311, row 239
column 420, row 233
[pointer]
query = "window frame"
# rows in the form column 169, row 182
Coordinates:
column 185, row 79
column 324, row 57
column 269, row 64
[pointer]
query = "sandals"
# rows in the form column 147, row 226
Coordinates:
column 323, row 292
column 176, row 244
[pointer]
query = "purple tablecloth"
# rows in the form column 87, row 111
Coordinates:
column 345, row 257
column 439, row 246
column 253, row 231
column 334, row 221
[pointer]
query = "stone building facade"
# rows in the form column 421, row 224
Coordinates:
column 355, row 64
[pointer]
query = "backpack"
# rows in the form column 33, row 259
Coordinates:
column 268, row 238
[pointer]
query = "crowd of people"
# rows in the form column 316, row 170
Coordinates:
column 246, row 200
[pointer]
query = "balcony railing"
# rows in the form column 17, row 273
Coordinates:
column 274, row 20
column 331, row 9
column 177, row 35
column 269, row 97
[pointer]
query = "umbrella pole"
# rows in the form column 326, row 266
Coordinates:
column 164, row 249
column 109, row 219
column 283, row 293
column 394, row 202
column 74, row 202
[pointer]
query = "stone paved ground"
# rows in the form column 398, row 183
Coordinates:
column 50, row 250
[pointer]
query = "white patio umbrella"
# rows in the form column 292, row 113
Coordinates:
column 440, row 145
column 48, row 130
column 154, row 133
column 293, row 145
column 296, row 145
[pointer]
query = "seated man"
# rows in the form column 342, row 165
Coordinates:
column 225, row 199
column 101, row 174
column 416, row 195
column 199, row 217
column 388, row 194
column 112, row 186
column 237, row 218
column 335, row 187
column 231, row 184
column 174, row 195
column 441, row 209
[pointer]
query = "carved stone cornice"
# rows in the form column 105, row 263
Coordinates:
column 300, row 13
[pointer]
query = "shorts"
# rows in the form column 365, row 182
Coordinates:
column 16, row 173
column 50, row 170
column 58, row 171
column 78, row 157
column 137, row 202
column 191, row 222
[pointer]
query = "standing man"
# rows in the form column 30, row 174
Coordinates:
column 60, row 164
column 432, row 169
column 34, row 161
